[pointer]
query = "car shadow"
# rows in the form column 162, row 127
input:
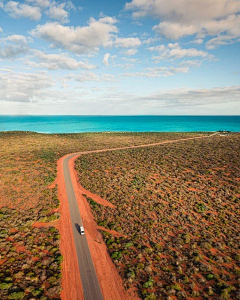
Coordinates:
column 77, row 227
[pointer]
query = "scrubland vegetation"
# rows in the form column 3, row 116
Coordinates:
column 177, row 213
column 30, row 260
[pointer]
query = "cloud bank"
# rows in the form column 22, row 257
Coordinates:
column 78, row 39
column 183, row 18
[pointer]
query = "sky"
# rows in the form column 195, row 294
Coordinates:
column 104, row 57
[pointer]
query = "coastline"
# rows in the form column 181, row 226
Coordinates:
column 118, row 124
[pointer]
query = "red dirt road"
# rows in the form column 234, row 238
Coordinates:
column 71, row 281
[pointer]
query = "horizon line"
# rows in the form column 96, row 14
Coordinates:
column 59, row 115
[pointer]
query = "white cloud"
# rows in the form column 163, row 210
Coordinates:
column 23, row 87
column 197, row 41
column 175, row 30
column 35, row 8
column 185, row 10
column 158, row 48
column 137, row 23
column 57, row 12
column 158, row 72
column 195, row 97
column 79, row 39
column 1, row 30
column 131, row 60
column 125, row 66
column 18, row 39
column 127, row 42
column 191, row 63
column 150, row 41
column 108, row 77
column 113, row 101
column 90, row 76
column 40, row 3
column 106, row 58
column 219, row 41
column 57, row 61
column 18, row 10
column 182, row 18
column 174, row 51
column 13, row 46
column 129, row 63
column 131, row 52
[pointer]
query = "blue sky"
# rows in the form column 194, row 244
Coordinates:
column 120, row 57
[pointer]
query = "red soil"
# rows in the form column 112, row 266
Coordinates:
column 20, row 248
column 112, row 232
column 2, row 261
column 41, row 224
column 95, row 197
column 52, row 185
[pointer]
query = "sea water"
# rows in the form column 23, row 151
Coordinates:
column 72, row 124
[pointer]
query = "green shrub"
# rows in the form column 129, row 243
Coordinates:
column 148, row 283
column 16, row 296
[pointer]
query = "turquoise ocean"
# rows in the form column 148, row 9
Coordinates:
column 73, row 124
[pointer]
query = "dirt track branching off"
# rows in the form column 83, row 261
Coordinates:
column 176, row 214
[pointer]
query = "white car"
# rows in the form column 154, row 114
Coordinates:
column 82, row 232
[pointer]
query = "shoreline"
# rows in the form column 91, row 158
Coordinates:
column 108, row 132
column 119, row 124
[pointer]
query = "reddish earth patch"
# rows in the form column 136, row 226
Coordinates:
column 35, row 258
column 52, row 185
column 95, row 197
column 49, row 224
column 193, row 190
column 112, row 232
column 2, row 261
column 20, row 249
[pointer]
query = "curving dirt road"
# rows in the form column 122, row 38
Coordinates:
column 90, row 283
column 91, row 288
